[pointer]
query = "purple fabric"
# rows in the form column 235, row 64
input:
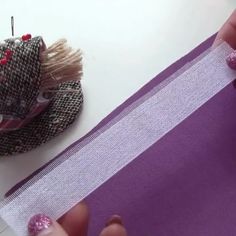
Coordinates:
column 185, row 183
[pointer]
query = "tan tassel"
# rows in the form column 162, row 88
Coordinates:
column 60, row 63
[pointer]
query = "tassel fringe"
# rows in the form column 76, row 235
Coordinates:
column 60, row 63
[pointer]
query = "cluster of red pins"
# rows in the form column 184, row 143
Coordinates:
column 8, row 53
column 6, row 58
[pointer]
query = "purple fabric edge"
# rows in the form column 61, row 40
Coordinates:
column 145, row 89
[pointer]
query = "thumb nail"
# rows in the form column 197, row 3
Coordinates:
column 231, row 60
column 40, row 225
column 115, row 219
column 216, row 43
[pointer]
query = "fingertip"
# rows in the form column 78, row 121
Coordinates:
column 227, row 32
column 75, row 222
column 114, row 230
column 115, row 219
column 217, row 42
column 42, row 225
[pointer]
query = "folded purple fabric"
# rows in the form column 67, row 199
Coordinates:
column 185, row 183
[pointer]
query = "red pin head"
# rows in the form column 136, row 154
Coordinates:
column 8, row 53
column 3, row 61
column 26, row 37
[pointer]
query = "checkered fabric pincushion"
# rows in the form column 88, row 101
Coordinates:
column 20, row 81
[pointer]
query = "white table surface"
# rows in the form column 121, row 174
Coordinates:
column 125, row 44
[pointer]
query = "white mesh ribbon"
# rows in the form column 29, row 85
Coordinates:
column 86, row 166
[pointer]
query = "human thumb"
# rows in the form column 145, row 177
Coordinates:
column 42, row 225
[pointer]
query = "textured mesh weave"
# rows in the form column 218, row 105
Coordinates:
column 20, row 87
column 61, row 112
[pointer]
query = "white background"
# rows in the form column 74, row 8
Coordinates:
column 125, row 44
